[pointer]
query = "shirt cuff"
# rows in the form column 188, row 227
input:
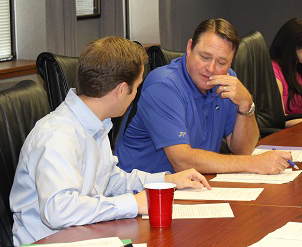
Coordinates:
column 126, row 205
column 156, row 177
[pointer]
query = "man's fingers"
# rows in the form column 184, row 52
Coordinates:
column 203, row 180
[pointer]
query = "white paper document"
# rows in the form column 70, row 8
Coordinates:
column 284, row 177
column 227, row 194
column 199, row 211
column 296, row 154
column 289, row 235
column 100, row 242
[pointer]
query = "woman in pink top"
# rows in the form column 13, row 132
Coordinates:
column 286, row 55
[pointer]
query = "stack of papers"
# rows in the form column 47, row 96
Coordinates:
column 286, row 176
column 100, row 242
column 289, row 235
column 227, row 194
column 295, row 151
column 199, row 211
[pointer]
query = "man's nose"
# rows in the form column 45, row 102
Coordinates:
column 211, row 66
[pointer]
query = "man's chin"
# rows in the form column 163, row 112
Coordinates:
column 204, row 88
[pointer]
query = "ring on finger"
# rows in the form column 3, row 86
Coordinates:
column 224, row 88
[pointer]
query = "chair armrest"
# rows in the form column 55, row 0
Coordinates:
column 292, row 116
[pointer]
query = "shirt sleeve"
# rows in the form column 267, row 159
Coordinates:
column 122, row 182
column 64, row 197
column 163, row 113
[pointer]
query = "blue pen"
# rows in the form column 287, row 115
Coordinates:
column 290, row 162
column 135, row 192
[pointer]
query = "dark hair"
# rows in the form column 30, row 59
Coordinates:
column 284, row 51
column 105, row 63
column 219, row 26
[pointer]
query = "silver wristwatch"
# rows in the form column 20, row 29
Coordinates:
column 249, row 113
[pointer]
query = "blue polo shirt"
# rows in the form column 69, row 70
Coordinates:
column 171, row 110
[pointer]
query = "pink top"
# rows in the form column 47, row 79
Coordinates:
column 295, row 109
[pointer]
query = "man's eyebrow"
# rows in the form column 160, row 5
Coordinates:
column 210, row 54
column 204, row 53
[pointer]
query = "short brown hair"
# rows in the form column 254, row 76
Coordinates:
column 219, row 26
column 105, row 63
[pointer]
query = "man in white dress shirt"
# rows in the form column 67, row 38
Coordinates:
column 67, row 174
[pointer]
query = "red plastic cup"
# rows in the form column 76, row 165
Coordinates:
column 160, row 203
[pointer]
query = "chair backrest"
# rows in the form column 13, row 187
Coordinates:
column 5, row 226
column 159, row 57
column 20, row 107
column 254, row 69
column 59, row 74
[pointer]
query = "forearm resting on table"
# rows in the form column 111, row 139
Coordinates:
column 183, row 157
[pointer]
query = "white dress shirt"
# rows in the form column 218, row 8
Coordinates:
column 68, row 176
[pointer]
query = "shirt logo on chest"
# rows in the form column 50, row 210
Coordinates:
column 182, row 134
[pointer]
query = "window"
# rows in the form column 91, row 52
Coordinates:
column 88, row 8
column 5, row 31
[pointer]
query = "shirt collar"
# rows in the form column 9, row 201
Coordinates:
column 87, row 118
column 193, row 89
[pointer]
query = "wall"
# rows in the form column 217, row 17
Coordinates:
column 87, row 30
column 144, row 21
column 264, row 16
column 50, row 25
column 30, row 28
column 176, row 20
column 179, row 18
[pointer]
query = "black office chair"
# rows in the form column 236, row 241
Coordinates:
column 159, row 57
column 253, row 67
column 59, row 74
column 5, row 226
column 20, row 107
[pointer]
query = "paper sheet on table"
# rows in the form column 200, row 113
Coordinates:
column 274, row 242
column 228, row 194
column 284, row 177
column 199, row 211
column 288, row 235
column 296, row 151
column 100, row 242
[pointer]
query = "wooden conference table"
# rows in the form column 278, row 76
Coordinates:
column 276, row 205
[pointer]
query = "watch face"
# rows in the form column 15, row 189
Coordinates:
column 250, row 112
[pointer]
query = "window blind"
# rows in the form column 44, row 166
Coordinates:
column 5, row 31
column 85, row 7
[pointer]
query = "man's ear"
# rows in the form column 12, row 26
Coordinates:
column 121, row 89
column 189, row 46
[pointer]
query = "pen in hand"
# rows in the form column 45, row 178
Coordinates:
column 291, row 163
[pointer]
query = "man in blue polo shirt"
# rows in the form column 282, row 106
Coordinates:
column 188, row 106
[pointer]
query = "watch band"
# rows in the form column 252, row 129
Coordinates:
column 249, row 113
